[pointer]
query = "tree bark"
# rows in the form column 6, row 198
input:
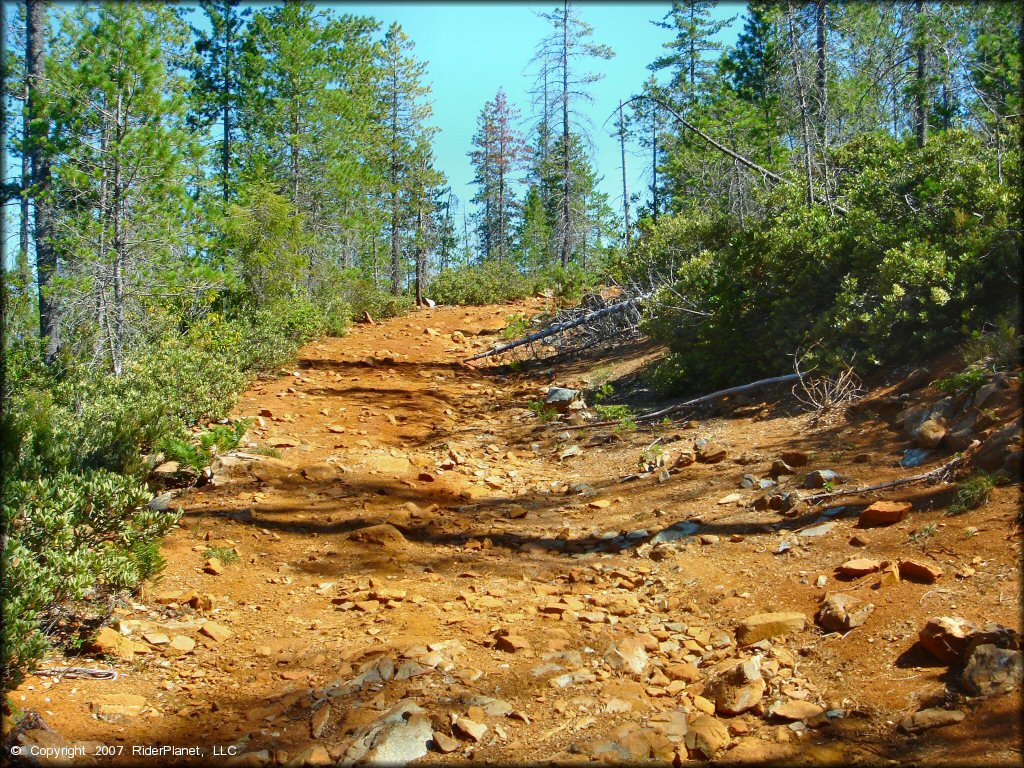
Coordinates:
column 625, row 182
column 921, row 94
column 225, row 151
column 24, row 271
column 46, row 256
column 801, row 105
column 821, row 72
column 396, row 264
column 654, row 162
column 566, row 208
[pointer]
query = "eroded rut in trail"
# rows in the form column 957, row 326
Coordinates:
column 428, row 570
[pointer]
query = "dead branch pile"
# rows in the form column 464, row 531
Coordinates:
column 596, row 320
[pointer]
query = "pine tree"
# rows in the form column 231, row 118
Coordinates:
column 38, row 149
column 216, row 74
column 120, row 151
column 308, row 124
column 690, row 58
column 404, row 140
column 499, row 152
column 561, row 54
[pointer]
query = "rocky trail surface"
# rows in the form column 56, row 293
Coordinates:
column 430, row 571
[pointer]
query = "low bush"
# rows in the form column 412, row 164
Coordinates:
column 928, row 251
column 69, row 536
column 478, row 284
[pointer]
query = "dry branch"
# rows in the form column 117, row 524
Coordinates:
column 551, row 330
column 720, row 393
column 933, row 474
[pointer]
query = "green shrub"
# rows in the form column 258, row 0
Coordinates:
column 958, row 383
column 542, row 410
column 489, row 283
column 226, row 555
column 927, row 251
column 518, row 325
column 972, row 493
column 67, row 536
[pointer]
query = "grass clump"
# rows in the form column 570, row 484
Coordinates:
column 225, row 554
column 972, row 494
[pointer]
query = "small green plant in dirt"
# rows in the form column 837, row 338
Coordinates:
column 620, row 413
column 517, row 326
column 224, row 554
column 605, row 390
column 968, row 381
column 542, row 410
column 921, row 537
column 218, row 439
column 973, row 493
column 266, row 450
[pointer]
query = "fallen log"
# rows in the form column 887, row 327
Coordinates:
column 559, row 328
column 936, row 473
column 720, row 393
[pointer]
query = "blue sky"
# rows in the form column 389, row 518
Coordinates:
column 472, row 49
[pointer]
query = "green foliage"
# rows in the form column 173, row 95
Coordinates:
column 921, row 537
column 926, row 252
column 605, row 390
column 219, row 438
column 972, row 493
column 997, row 348
column 620, row 413
column 226, row 555
column 69, row 536
column 542, row 411
column 518, row 325
column 489, row 283
column 960, row 383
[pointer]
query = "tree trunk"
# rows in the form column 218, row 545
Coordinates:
column 24, row 271
column 396, row 263
column 921, row 89
column 120, row 244
column 801, row 105
column 225, row 150
column 654, row 162
column 821, row 72
column 46, row 256
column 625, row 182
column 419, row 254
column 566, row 208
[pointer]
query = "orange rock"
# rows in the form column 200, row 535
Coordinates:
column 860, row 566
column 915, row 570
column 883, row 513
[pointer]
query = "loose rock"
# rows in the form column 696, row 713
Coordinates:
column 841, row 613
column 737, row 688
column 883, row 513
column 925, row 719
column 763, row 626
column 992, row 670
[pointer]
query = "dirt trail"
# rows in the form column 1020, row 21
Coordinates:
column 422, row 539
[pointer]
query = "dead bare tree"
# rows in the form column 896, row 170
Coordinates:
column 824, row 394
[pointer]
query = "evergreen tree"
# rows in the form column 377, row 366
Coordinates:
column 120, row 152
column 405, row 139
column 561, row 54
column 217, row 77
column 692, row 54
column 498, row 153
